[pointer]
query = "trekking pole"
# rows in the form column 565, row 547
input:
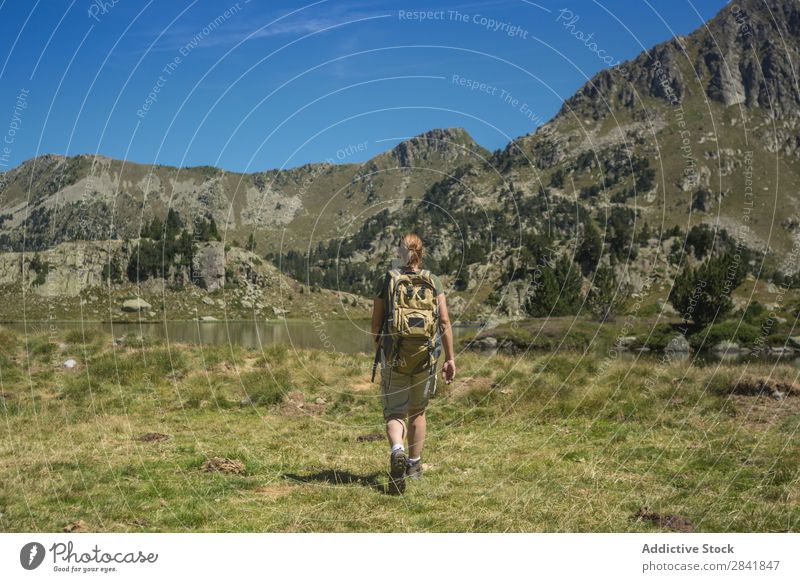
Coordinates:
column 377, row 352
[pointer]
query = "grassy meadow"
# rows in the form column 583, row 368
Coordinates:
column 147, row 436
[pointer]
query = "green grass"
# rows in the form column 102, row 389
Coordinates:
column 546, row 442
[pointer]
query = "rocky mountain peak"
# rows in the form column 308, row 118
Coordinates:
column 444, row 144
column 747, row 54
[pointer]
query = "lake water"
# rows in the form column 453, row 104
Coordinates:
column 337, row 335
column 343, row 336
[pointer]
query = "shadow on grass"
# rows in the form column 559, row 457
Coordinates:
column 339, row 477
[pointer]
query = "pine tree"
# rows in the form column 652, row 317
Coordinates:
column 604, row 297
column 174, row 224
column 251, row 243
column 556, row 290
column 703, row 295
column 590, row 248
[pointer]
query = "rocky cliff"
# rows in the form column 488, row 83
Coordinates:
column 73, row 281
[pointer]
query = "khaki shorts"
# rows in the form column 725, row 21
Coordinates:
column 401, row 392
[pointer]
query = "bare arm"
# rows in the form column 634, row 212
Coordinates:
column 446, row 331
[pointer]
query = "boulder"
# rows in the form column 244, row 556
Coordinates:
column 727, row 346
column 679, row 343
column 625, row 342
column 666, row 308
column 133, row 305
column 780, row 350
column 484, row 344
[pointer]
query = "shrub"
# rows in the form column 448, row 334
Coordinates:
column 41, row 268
column 734, row 331
column 752, row 312
column 263, row 387
column 659, row 336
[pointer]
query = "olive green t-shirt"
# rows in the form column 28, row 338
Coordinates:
column 380, row 285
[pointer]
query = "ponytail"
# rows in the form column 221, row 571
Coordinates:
column 415, row 250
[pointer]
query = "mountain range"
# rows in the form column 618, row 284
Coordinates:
column 691, row 147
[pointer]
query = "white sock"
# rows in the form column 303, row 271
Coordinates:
column 414, row 460
column 398, row 447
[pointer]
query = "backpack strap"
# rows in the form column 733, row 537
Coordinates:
column 388, row 344
column 391, row 275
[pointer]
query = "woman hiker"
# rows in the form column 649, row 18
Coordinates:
column 406, row 393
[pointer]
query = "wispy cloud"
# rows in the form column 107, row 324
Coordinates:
column 245, row 25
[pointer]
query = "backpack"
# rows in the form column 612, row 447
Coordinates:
column 410, row 340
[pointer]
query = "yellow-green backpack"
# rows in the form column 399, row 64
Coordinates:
column 410, row 341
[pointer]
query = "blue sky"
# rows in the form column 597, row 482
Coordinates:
column 255, row 85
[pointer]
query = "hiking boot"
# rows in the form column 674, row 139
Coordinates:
column 414, row 470
column 397, row 472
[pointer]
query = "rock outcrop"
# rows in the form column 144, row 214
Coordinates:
column 209, row 266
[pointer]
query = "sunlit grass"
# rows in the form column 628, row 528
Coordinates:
column 547, row 442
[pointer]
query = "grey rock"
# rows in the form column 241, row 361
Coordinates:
column 134, row 305
column 485, row 344
column 781, row 350
column 626, row 342
column 728, row 346
column 210, row 261
column 667, row 308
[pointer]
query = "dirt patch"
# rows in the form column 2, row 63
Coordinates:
column 364, row 386
column 140, row 522
column 273, row 490
column 7, row 395
column 223, row 465
column 239, row 366
column 77, row 526
column 668, row 521
column 764, row 411
column 295, row 404
column 368, row 438
column 460, row 388
column 757, row 386
column 151, row 437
